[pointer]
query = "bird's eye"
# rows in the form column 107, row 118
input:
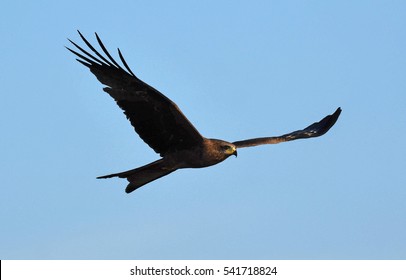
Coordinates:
column 227, row 148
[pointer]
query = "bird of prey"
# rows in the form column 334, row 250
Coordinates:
column 162, row 125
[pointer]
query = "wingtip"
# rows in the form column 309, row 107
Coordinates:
column 125, row 63
column 130, row 188
column 84, row 63
column 69, row 49
column 329, row 121
column 337, row 113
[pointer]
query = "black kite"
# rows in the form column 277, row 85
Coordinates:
column 161, row 124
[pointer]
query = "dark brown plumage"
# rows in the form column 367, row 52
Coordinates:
column 161, row 124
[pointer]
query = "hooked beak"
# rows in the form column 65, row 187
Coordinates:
column 235, row 153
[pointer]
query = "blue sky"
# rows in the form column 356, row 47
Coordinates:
column 237, row 69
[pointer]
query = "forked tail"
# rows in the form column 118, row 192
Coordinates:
column 142, row 175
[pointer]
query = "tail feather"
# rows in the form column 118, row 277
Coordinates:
column 142, row 175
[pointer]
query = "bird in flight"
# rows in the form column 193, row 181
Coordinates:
column 161, row 124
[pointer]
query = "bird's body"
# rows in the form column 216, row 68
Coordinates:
column 161, row 124
column 209, row 152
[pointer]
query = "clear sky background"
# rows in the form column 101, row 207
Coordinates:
column 237, row 69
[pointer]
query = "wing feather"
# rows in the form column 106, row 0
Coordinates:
column 107, row 53
column 92, row 49
column 125, row 62
column 314, row 130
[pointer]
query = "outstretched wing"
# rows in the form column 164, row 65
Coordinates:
column 315, row 130
column 156, row 119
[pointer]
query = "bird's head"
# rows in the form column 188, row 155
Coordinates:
column 216, row 151
column 229, row 149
